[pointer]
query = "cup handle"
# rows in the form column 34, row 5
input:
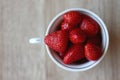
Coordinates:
column 35, row 40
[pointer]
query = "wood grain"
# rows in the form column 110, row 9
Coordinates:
column 22, row 20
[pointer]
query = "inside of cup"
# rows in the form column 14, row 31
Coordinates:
column 54, row 27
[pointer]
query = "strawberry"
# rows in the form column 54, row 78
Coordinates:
column 67, row 26
column 73, row 17
column 74, row 53
column 77, row 36
column 89, row 26
column 92, row 52
column 57, row 41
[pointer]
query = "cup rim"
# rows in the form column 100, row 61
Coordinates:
column 103, row 25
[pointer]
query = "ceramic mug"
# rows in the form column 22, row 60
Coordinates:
column 75, row 67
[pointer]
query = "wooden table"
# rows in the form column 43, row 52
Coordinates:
column 21, row 20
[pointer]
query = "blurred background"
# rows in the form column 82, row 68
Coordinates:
column 21, row 20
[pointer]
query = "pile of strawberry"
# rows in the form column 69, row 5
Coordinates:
column 79, row 38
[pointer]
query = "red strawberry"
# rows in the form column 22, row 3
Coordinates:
column 67, row 26
column 89, row 26
column 73, row 17
column 57, row 40
column 74, row 53
column 77, row 36
column 95, row 40
column 92, row 52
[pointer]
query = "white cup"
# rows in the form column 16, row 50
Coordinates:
column 75, row 67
